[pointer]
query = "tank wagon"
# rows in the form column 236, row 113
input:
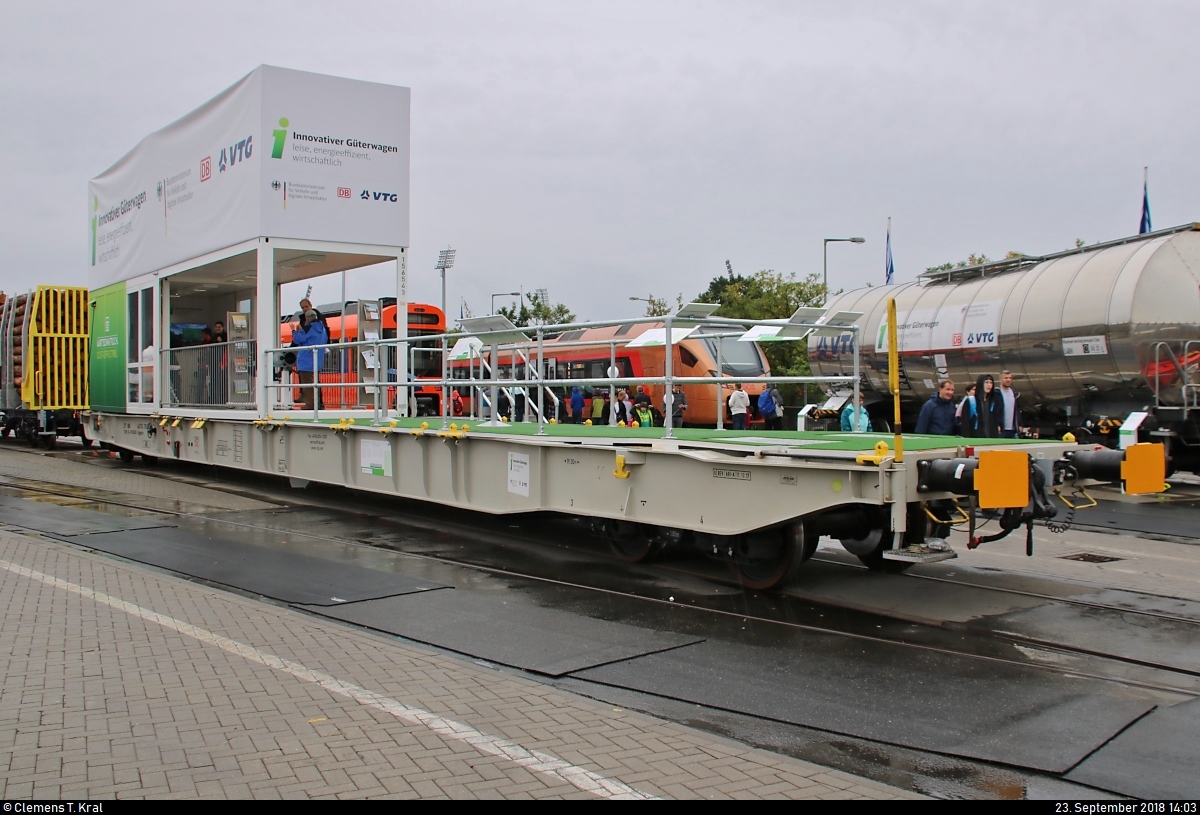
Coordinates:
column 1093, row 337
column 44, row 363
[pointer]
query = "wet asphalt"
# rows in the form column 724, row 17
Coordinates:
column 826, row 671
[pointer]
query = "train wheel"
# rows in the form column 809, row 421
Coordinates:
column 772, row 557
column 876, row 563
column 49, row 442
column 870, row 550
column 633, row 543
column 126, row 456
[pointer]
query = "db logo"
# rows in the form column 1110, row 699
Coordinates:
column 343, row 192
column 206, row 168
column 956, row 341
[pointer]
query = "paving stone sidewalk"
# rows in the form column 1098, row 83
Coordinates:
column 123, row 682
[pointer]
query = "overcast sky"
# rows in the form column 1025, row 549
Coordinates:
column 602, row 150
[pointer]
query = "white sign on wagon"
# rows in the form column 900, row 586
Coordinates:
column 1084, row 346
column 281, row 153
column 518, row 473
column 375, row 457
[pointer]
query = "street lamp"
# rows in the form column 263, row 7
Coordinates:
column 649, row 300
column 825, row 259
column 503, row 294
column 445, row 261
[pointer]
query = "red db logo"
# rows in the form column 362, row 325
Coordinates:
column 206, row 168
column 343, row 192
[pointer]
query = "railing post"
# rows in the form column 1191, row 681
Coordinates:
column 541, row 369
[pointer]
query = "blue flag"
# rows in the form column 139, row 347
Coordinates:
column 1145, row 226
column 890, row 271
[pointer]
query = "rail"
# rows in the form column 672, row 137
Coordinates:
column 1186, row 373
column 218, row 375
column 292, row 384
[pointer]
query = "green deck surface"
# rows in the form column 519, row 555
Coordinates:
column 811, row 439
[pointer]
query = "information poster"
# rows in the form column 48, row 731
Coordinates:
column 518, row 473
column 375, row 457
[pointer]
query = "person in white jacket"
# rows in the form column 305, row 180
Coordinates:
column 739, row 406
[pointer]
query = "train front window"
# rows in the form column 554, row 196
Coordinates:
column 738, row 359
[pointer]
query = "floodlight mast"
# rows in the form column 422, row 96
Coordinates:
column 445, row 262
column 825, row 260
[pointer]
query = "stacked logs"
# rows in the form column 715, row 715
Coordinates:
column 18, row 339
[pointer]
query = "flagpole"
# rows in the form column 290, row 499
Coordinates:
column 1145, row 226
column 889, row 270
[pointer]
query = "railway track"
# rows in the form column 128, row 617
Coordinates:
column 780, row 610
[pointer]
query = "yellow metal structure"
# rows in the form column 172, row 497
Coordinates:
column 1002, row 479
column 1144, row 469
column 56, row 349
column 894, row 374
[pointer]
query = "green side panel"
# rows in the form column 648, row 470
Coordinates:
column 108, row 374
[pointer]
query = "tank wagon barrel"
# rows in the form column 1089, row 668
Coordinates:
column 1090, row 336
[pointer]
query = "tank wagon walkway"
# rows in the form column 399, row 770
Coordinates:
column 125, row 682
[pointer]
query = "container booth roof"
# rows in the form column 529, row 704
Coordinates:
column 291, row 265
column 300, row 158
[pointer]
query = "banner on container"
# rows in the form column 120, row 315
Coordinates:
column 949, row 328
column 281, row 153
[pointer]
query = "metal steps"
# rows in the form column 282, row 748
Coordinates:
column 927, row 552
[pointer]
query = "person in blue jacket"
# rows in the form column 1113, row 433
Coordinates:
column 937, row 415
column 576, row 406
column 855, row 417
column 310, row 332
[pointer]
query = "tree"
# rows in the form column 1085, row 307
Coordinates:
column 537, row 313
column 658, row 306
column 769, row 295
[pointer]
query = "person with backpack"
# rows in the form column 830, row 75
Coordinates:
column 770, row 405
column 622, row 408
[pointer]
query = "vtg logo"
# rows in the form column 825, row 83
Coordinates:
column 379, row 196
column 234, row 153
column 981, row 337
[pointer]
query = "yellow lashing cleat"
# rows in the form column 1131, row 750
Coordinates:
column 881, row 452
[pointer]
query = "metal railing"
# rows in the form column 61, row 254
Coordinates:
column 375, row 387
column 219, row 375
column 1187, row 374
